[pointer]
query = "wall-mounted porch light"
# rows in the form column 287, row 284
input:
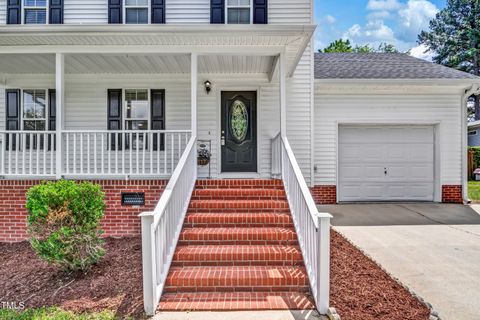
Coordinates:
column 208, row 86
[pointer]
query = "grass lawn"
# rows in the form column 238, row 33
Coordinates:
column 474, row 190
column 52, row 314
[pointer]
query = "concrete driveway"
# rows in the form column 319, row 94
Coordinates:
column 432, row 248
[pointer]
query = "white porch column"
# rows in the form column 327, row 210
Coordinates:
column 60, row 103
column 193, row 74
column 283, row 95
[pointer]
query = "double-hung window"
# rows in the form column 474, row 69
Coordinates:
column 34, row 110
column 136, row 115
column 35, row 11
column 136, row 11
column 238, row 11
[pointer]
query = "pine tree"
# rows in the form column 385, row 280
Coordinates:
column 454, row 38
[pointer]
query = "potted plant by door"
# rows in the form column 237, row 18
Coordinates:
column 203, row 157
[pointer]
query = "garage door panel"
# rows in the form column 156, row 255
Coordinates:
column 406, row 152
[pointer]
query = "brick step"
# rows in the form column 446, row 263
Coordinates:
column 236, row 301
column 238, row 205
column 237, row 279
column 240, row 255
column 239, row 183
column 238, row 236
column 238, row 194
column 238, row 219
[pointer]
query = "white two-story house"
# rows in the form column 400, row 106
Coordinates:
column 124, row 93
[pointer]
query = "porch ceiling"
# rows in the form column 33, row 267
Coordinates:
column 134, row 64
column 253, row 40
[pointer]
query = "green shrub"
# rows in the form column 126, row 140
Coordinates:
column 63, row 223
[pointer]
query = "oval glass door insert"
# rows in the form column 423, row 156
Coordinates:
column 238, row 120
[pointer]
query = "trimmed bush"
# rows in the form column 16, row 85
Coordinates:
column 63, row 223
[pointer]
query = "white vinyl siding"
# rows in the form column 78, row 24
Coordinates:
column 86, row 12
column 179, row 12
column 387, row 107
column 300, row 86
column 3, row 12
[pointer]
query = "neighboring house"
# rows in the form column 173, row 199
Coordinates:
column 474, row 134
column 122, row 91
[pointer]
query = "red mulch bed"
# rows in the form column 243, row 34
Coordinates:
column 360, row 290
column 115, row 283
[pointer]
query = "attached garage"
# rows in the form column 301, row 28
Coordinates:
column 389, row 127
column 386, row 163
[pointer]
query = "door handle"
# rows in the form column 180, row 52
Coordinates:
column 385, row 171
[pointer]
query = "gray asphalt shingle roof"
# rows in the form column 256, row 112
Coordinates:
column 381, row 66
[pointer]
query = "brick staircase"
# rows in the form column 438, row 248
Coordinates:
column 238, row 250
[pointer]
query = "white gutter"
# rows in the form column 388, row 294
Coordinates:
column 473, row 90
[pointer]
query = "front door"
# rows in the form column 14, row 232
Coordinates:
column 239, row 131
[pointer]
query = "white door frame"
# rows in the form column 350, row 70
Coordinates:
column 437, row 187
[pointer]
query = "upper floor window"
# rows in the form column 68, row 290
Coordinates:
column 136, row 11
column 238, row 11
column 35, row 11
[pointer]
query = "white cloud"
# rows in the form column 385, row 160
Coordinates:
column 330, row 19
column 414, row 18
column 383, row 5
column 393, row 22
column 421, row 52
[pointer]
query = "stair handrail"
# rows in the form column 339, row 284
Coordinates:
column 161, row 228
column 311, row 226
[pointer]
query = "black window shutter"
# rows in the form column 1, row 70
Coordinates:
column 56, row 12
column 158, row 11
column 12, row 115
column 114, row 114
column 52, row 117
column 115, row 9
column 260, row 11
column 217, row 11
column 14, row 11
column 52, row 110
column 158, row 116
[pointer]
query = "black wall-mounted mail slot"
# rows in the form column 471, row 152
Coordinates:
column 133, row 199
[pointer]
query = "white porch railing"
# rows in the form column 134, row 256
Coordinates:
column 123, row 153
column 161, row 228
column 27, row 153
column 312, row 227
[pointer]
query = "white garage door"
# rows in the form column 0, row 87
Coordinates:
column 386, row 163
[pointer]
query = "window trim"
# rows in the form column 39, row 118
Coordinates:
column 22, row 109
column 241, row 7
column 473, row 133
column 47, row 13
column 149, row 12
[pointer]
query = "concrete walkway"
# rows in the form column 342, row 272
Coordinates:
column 240, row 315
column 432, row 248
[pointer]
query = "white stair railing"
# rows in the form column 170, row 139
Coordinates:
column 312, row 227
column 161, row 228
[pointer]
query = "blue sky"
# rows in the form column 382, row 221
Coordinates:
column 375, row 21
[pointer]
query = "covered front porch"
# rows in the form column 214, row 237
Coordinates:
column 128, row 110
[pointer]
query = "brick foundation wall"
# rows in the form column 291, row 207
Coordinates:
column 118, row 220
column 452, row 194
column 324, row 194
